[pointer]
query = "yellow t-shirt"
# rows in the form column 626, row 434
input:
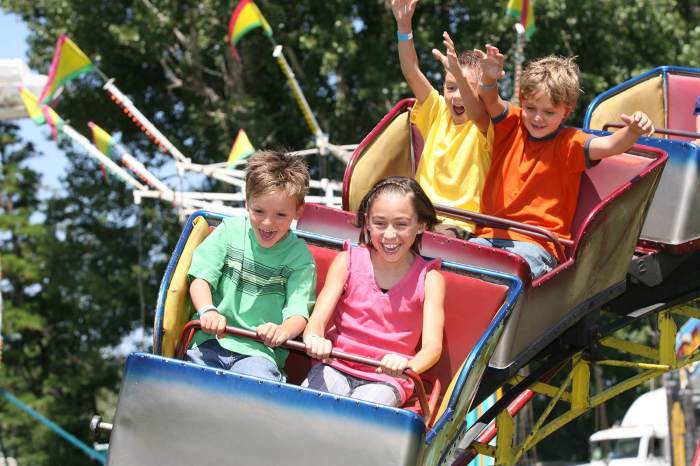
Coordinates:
column 455, row 158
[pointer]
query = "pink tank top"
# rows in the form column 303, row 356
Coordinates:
column 371, row 323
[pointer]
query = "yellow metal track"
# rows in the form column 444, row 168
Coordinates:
column 575, row 389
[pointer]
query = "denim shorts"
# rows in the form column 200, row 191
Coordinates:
column 212, row 354
column 537, row 257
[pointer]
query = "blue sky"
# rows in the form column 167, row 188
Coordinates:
column 52, row 162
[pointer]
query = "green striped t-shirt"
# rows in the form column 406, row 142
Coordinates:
column 252, row 285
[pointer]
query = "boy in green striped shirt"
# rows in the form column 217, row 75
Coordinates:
column 253, row 273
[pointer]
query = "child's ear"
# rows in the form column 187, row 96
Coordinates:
column 299, row 212
column 421, row 228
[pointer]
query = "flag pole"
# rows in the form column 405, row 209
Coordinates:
column 140, row 170
column 95, row 153
column 298, row 94
column 145, row 125
column 519, row 60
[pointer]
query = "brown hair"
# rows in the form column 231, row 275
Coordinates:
column 469, row 58
column 270, row 171
column 403, row 185
column 557, row 76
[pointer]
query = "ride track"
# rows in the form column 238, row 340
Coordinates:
column 500, row 325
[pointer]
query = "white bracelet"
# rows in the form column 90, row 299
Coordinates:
column 206, row 308
column 307, row 338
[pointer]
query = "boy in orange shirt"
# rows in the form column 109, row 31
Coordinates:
column 537, row 164
column 455, row 126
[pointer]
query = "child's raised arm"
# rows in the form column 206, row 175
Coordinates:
column 619, row 141
column 491, row 71
column 431, row 337
column 473, row 107
column 317, row 346
column 419, row 84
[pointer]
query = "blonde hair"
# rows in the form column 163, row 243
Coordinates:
column 557, row 76
column 271, row 171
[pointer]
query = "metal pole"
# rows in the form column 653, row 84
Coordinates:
column 95, row 153
column 92, row 453
column 146, row 126
column 297, row 92
column 519, row 59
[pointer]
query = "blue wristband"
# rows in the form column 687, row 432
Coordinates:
column 488, row 86
column 404, row 37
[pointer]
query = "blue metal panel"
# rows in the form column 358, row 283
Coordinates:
column 177, row 413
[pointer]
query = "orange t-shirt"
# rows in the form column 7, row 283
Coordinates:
column 533, row 181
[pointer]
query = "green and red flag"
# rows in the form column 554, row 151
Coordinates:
column 241, row 149
column 245, row 17
column 68, row 62
column 524, row 10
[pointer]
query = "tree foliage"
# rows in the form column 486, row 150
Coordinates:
column 71, row 273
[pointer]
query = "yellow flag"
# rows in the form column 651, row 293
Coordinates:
column 241, row 149
column 68, row 62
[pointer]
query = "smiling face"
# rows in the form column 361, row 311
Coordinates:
column 453, row 98
column 393, row 224
column 271, row 215
column 540, row 116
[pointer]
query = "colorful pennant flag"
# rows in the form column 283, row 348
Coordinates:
column 524, row 10
column 103, row 141
column 68, row 62
column 31, row 104
column 41, row 114
column 241, row 149
column 245, row 17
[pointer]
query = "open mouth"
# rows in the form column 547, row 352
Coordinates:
column 458, row 110
column 266, row 235
column 391, row 248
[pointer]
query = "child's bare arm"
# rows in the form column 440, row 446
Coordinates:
column 491, row 71
column 316, row 345
column 473, row 107
column 419, row 84
column 433, row 323
column 619, row 141
column 211, row 321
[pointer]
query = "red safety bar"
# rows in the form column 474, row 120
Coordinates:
column 506, row 224
column 666, row 131
column 427, row 406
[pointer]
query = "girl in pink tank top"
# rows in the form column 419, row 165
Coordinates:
column 380, row 300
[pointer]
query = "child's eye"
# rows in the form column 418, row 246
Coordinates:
column 549, row 113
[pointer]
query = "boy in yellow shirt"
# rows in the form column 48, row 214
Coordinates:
column 456, row 129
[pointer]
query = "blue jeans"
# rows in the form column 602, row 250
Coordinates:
column 537, row 257
column 212, row 354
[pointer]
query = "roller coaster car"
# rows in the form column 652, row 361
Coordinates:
column 174, row 412
column 612, row 205
column 666, row 267
column 496, row 318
